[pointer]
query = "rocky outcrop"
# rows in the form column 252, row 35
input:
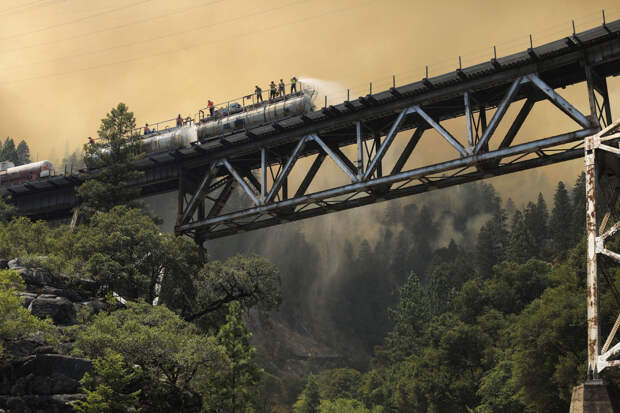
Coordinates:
column 59, row 309
column 36, row 403
column 35, row 378
column 44, row 374
column 42, row 383
column 54, row 296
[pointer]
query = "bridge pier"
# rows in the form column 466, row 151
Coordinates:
column 594, row 396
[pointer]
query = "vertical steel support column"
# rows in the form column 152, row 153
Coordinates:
column 198, row 237
column 470, row 136
column 263, row 175
column 592, row 274
column 592, row 97
column 378, row 168
column 180, row 196
column 285, row 181
column 360, row 150
column 607, row 101
column 483, row 120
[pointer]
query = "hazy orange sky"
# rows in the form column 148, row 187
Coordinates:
column 65, row 63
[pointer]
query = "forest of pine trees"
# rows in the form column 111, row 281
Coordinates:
column 500, row 327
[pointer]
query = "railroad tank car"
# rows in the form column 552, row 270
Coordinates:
column 257, row 115
column 169, row 139
column 25, row 173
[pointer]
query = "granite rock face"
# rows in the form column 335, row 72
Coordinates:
column 35, row 378
column 42, row 381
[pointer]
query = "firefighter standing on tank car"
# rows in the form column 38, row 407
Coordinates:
column 293, row 85
column 272, row 90
column 281, row 88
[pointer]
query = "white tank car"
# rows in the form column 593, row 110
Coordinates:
column 169, row 139
column 256, row 115
column 25, row 173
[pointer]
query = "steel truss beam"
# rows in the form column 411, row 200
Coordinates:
column 479, row 156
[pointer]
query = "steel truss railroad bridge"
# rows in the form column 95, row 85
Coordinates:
column 259, row 161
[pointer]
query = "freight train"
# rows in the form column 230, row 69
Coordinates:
column 229, row 117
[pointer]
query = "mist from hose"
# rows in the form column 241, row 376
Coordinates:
column 334, row 91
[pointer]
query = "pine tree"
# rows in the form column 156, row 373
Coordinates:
column 560, row 222
column 510, row 207
column 492, row 241
column 535, row 218
column 113, row 156
column 310, row 398
column 522, row 244
column 9, row 153
column 113, row 388
column 23, row 153
column 235, row 387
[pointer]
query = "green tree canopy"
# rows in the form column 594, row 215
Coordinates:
column 522, row 244
column 15, row 321
column 310, row 399
column 250, row 280
column 124, row 250
column 171, row 356
column 492, row 243
column 234, row 388
column 343, row 383
column 111, row 161
column 112, row 388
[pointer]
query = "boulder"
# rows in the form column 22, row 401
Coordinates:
column 34, row 344
column 59, row 309
column 33, row 277
column 15, row 263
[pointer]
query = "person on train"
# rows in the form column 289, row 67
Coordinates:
column 146, row 129
column 293, row 85
column 259, row 94
column 210, row 106
column 281, row 88
column 179, row 121
column 91, row 140
column 272, row 90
